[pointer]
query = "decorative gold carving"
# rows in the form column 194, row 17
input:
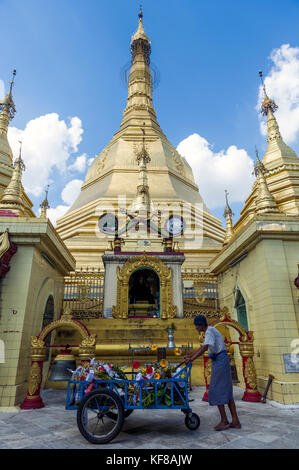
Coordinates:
column 38, row 349
column 250, row 373
column 37, row 342
column 178, row 161
column 137, row 148
column 102, row 160
column 87, row 347
column 246, row 347
column 89, row 341
column 200, row 277
column 34, row 378
column 84, row 294
column 4, row 243
column 168, row 310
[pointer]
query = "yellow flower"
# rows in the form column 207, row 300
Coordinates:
column 154, row 347
column 163, row 363
column 177, row 352
column 156, row 375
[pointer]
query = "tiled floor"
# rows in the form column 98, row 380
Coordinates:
column 264, row 426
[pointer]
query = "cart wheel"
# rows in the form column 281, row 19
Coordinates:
column 192, row 421
column 93, row 418
column 113, row 415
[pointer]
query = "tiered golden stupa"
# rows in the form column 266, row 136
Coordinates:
column 12, row 194
column 116, row 172
column 7, row 112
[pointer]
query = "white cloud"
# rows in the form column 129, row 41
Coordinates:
column 68, row 195
column 90, row 160
column 2, row 89
column 47, row 144
column 214, row 172
column 79, row 164
column 71, row 191
column 282, row 85
column 56, row 212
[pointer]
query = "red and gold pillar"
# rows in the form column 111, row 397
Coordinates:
column 38, row 355
column 247, row 352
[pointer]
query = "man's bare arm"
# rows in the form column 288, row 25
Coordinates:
column 197, row 353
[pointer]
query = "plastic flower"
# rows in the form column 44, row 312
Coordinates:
column 163, row 363
column 154, row 347
column 149, row 370
column 177, row 352
column 136, row 365
column 156, row 375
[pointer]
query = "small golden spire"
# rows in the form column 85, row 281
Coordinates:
column 45, row 205
column 268, row 109
column 13, row 194
column 228, row 214
column 7, row 105
column 267, row 102
column 265, row 202
column 7, row 110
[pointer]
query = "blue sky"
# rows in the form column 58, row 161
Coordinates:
column 69, row 55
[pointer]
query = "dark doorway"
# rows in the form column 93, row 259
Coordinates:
column 144, row 294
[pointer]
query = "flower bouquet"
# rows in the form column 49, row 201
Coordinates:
column 96, row 370
column 152, row 372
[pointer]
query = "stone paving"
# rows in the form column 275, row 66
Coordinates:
column 264, row 426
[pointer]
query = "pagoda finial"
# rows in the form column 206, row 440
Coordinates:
column 7, row 107
column 140, row 42
column 228, row 214
column 13, row 79
column 45, row 204
column 265, row 202
column 267, row 102
column 140, row 14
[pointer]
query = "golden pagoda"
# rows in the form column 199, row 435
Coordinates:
column 117, row 171
column 7, row 112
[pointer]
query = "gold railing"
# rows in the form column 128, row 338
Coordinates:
column 202, row 294
column 84, row 293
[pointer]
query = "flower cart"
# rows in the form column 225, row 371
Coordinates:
column 102, row 405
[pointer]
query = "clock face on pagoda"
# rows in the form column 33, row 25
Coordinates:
column 108, row 223
column 175, row 225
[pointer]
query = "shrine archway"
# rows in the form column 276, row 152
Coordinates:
column 38, row 355
column 246, row 349
column 167, row 309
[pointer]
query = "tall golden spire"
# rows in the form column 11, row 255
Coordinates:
column 276, row 146
column 13, row 194
column 228, row 214
column 7, row 108
column 45, row 205
column 268, row 109
column 265, row 202
column 7, row 112
column 139, row 103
